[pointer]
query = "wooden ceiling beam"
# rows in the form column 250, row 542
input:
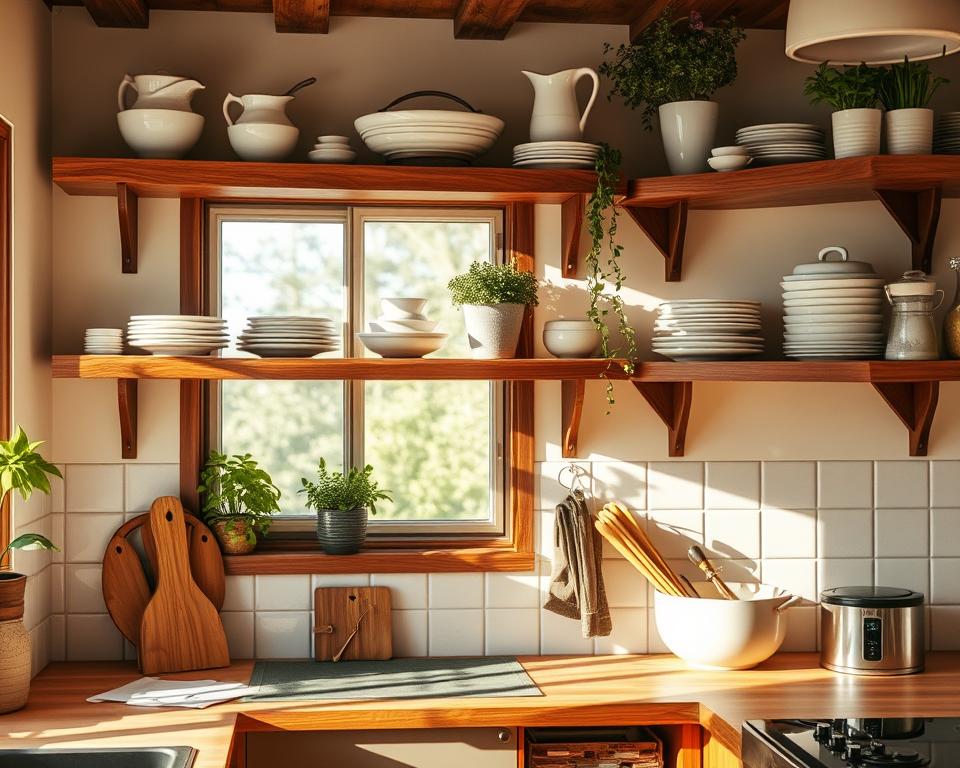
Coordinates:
column 486, row 19
column 119, row 13
column 302, row 16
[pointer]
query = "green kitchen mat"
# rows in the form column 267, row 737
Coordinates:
column 489, row 677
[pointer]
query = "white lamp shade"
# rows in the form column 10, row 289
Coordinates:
column 872, row 31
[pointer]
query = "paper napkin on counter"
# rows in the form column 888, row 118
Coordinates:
column 154, row 692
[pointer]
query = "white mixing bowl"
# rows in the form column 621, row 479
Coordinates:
column 714, row 633
column 570, row 338
column 262, row 142
column 160, row 133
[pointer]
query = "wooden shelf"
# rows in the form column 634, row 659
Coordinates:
column 909, row 186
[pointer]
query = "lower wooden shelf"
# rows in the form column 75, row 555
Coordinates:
column 910, row 389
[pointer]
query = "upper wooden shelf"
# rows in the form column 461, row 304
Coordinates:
column 237, row 180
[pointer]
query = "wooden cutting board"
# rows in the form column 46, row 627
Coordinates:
column 338, row 610
column 127, row 586
column 181, row 628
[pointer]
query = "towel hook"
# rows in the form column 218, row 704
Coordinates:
column 576, row 474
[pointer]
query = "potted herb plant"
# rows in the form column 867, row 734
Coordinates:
column 240, row 499
column 342, row 502
column 853, row 92
column 494, row 298
column 24, row 470
column 673, row 68
column 905, row 92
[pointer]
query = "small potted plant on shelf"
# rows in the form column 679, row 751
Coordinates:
column 905, row 92
column 673, row 68
column 239, row 500
column 494, row 298
column 853, row 92
column 342, row 502
column 24, row 470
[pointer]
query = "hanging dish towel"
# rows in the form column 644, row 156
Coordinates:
column 576, row 583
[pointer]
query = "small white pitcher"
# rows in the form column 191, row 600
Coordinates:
column 556, row 115
column 263, row 132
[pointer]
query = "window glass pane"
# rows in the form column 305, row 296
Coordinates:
column 431, row 443
column 283, row 268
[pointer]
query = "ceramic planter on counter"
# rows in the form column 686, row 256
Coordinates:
column 236, row 535
column 688, row 130
column 856, row 132
column 341, row 531
column 909, row 131
column 15, row 656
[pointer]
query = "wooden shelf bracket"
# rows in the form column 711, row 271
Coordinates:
column 666, row 227
column 572, row 392
column 915, row 404
column 917, row 212
column 127, row 209
column 671, row 401
column 127, row 402
column 571, row 225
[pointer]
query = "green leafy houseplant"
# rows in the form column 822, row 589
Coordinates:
column 486, row 284
column 341, row 501
column 602, row 221
column 847, row 88
column 239, row 500
column 673, row 59
column 908, row 85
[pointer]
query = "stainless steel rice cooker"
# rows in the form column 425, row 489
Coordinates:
column 872, row 630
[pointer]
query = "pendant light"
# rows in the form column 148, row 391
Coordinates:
column 872, row 31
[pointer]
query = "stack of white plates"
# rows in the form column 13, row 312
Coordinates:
column 332, row 149
column 833, row 309
column 946, row 135
column 177, row 334
column 103, row 341
column 288, row 336
column 776, row 143
column 708, row 329
column 402, row 330
column 555, row 154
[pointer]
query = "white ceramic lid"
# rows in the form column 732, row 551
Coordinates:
column 825, row 266
column 913, row 283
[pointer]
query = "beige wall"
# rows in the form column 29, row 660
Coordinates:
column 25, row 103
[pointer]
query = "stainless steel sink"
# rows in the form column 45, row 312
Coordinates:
column 148, row 757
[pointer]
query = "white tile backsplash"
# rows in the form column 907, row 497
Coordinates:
column 845, row 484
column 945, row 532
column 902, row 532
column 788, row 533
column 512, row 631
column 732, row 532
column 673, row 531
column 945, row 581
column 455, row 590
column 87, row 535
column 732, row 485
column 92, row 637
column 512, row 590
column 146, row 482
column 282, row 593
column 238, row 627
column 407, row 590
column 94, row 488
column 789, row 484
column 282, row 634
column 625, row 482
column 945, row 483
column 84, row 593
column 911, row 573
column 629, row 633
column 675, row 485
column 900, row 484
column 409, row 633
column 845, row 533
column 456, row 632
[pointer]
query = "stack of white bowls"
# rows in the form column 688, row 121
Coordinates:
column 777, row 143
column 177, row 334
column 833, row 309
column 332, row 149
column 288, row 336
column 103, row 341
column 402, row 330
column 556, row 154
column 946, row 135
column 708, row 329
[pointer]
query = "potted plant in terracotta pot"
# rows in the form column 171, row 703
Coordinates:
column 494, row 298
column 905, row 92
column 240, row 499
column 24, row 470
column 853, row 92
column 342, row 502
column 673, row 68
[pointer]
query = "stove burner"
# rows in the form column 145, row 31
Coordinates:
column 905, row 759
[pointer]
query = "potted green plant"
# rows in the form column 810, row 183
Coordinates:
column 673, row 68
column 342, row 502
column 239, row 500
column 24, row 470
column 905, row 92
column 853, row 92
column 494, row 298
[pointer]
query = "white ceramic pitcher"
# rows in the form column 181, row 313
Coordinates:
column 258, row 108
column 158, row 92
column 263, row 132
column 556, row 115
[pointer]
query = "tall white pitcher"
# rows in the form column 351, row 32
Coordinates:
column 556, row 115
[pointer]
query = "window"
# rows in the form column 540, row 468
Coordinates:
column 438, row 446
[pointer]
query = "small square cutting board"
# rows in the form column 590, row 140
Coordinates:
column 338, row 611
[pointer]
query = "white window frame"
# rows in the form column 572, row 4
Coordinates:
column 353, row 218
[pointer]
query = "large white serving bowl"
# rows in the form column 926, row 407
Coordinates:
column 570, row 338
column 262, row 142
column 160, row 133
column 714, row 633
column 402, row 344
column 411, row 133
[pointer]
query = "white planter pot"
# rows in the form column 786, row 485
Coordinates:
column 689, row 130
column 856, row 132
column 493, row 330
column 909, row 131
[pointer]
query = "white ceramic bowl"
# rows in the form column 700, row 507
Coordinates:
column 332, row 140
column 570, row 338
column 438, row 133
column 402, row 344
column 400, row 308
column 713, row 633
column 389, row 325
column 731, row 151
column 262, row 142
column 160, row 133
column 330, row 153
column 729, row 162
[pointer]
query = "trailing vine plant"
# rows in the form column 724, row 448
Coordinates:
column 602, row 218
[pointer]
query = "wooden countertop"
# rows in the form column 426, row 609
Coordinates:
column 581, row 690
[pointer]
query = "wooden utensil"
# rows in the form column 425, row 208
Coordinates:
column 699, row 559
column 352, row 623
column 126, row 586
column 181, row 628
column 647, row 545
